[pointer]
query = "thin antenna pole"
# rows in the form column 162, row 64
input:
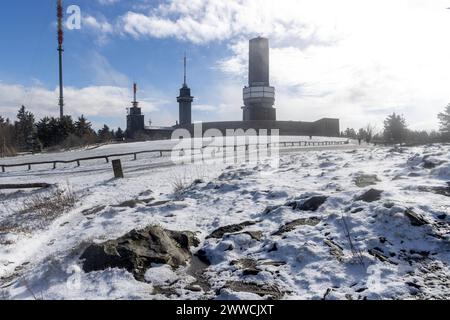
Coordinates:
column 134, row 91
column 185, row 64
column 60, row 15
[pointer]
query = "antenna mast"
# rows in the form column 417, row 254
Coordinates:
column 135, row 103
column 185, row 84
column 60, row 16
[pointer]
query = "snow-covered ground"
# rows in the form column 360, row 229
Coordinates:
column 394, row 247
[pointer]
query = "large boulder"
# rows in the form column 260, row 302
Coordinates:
column 139, row 249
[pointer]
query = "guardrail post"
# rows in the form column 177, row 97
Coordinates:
column 107, row 159
column 54, row 165
column 3, row 169
column 161, row 153
column 135, row 156
column 78, row 163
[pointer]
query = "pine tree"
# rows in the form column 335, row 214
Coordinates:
column 83, row 127
column 44, row 132
column 444, row 119
column 104, row 134
column 120, row 134
column 24, row 127
column 395, row 129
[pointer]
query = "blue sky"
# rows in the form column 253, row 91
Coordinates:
column 355, row 60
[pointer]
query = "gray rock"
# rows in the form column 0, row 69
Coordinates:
column 311, row 204
column 219, row 233
column 130, row 204
column 416, row 219
column 370, row 196
column 443, row 191
column 366, row 180
column 249, row 266
column 335, row 250
column 92, row 211
column 294, row 224
column 138, row 249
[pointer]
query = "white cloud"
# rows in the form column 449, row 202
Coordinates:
column 92, row 101
column 357, row 60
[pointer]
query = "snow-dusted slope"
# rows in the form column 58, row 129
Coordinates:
column 394, row 247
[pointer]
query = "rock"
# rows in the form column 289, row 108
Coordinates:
column 442, row 216
column 219, row 233
column 388, row 205
column 92, row 211
column 335, row 249
column 138, row 249
column 262, row 290
column 294, row 224
column 416, row 219
column 443, row 191
column 249, row 266
column 255, row 235
column 158, row 203
column 370, row 196
column 431, row 163
column 366, row 180
column 311, row 204
column 414, row 175
column 377, row 254
column 130, row 204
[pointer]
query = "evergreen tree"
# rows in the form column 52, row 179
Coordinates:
column 444, row 119
column 120, row 135
column 104, row 134
column 45, row 132
column 350, row 133
column 395, row 129
column 24, row 127
column 83, row 127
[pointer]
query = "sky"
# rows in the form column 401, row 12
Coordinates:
column 356, row 60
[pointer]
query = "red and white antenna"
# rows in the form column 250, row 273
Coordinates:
column 60, row 16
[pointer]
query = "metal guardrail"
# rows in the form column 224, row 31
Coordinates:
column 162, row 151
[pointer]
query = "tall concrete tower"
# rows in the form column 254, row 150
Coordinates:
column 185, row 101
column 135, row 118
column 259, row 96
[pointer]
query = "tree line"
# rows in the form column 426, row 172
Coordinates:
column 25, row 134
column 396, row 131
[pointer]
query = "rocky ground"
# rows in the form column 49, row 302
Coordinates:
column 351, row 224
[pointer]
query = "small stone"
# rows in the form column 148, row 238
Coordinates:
column 130, row 204
column 415, row 219
column 311, row 204
column 219, row 233
column 92, row 211
column 366, row 180
column 299, row 222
